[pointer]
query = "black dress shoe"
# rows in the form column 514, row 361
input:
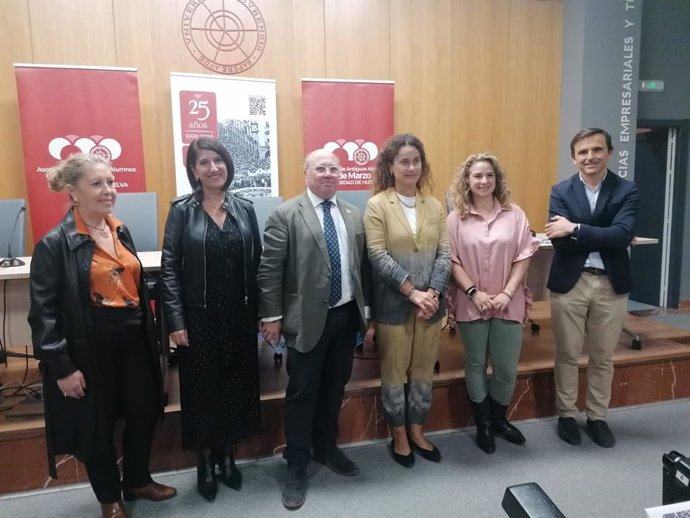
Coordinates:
column 433, row 455
column 229, row 474
column 406, row 461
column 295, row 492
column 336, row 460
column 601, row 433
column 500, row 424
column 568, row 430
column 206, row 482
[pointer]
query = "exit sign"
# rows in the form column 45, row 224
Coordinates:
column 651, row 85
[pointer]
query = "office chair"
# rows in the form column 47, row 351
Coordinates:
column 263, row 207
column 139, row 212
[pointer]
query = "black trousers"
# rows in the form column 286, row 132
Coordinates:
column 316, row 386
column 126, row 387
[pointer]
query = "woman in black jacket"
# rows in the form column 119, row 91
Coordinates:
column 93, row 332
column 211, row 254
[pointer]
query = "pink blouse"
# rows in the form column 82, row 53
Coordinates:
column 487, row 249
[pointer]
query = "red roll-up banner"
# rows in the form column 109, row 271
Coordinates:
column 353, row 119
column 65, row 110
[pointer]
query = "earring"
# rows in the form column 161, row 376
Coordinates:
column 196, row 178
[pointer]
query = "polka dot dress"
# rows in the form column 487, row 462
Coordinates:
column 219, row 377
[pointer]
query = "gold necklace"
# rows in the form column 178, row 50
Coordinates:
column 101, row 230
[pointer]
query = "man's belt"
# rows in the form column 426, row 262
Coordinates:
column 594, row 271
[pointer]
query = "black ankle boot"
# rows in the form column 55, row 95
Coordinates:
column 206, row 481
column 501, row 425
column 229, row 474
column 485, row 433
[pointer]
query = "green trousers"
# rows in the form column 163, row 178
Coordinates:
column 498, row 343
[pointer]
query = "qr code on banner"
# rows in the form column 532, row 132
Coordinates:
column 257, row 105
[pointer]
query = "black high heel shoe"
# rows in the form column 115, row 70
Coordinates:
column 229, row 473
column 406, row 461
column 206, row 481
column 433, row 455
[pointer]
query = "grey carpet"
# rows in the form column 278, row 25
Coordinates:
column 585, row 481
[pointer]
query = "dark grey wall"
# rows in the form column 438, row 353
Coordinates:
column 599, row 77
column 665, row 54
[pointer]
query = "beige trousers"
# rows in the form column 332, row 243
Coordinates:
column 408, row 353
column 590, row 313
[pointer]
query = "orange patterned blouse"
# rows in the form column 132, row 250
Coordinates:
column 114, row 280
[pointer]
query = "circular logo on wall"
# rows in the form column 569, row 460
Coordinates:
column 225, row 36
column 60, row 148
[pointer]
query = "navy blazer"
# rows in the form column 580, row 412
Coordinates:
column 609, row 231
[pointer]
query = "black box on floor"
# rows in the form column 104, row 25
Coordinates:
column 676, row 478
column 529, row 501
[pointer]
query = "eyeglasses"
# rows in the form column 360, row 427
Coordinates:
column 322, row 170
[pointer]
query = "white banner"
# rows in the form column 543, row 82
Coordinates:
column 239, row 112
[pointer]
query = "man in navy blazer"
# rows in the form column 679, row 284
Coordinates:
column 592, row 222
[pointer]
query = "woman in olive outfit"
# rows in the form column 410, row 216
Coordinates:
column 408, row 249
column 211, row 253
column 93, row 333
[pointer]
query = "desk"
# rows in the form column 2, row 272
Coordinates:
column 18, row 291
column 538, row 275
column 546, row 243
column 17, row 296
column 539, row 267
column 151, row 261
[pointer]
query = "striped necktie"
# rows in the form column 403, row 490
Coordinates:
column 333, row 253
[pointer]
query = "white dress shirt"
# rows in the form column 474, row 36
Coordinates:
column 594, row 258
column 341, row 230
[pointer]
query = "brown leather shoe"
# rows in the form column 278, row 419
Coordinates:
column 116, row 510
column 154, row 491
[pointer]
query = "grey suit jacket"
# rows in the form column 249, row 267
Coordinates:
column 396, row 254
column 294, row 275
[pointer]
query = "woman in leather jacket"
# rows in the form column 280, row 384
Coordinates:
column 93, row 332
column 211, row 253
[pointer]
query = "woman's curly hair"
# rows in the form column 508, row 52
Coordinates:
column 382, row 178
column 460, row 188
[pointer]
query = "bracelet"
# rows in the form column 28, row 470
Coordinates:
column 412, row 292
column 471, row 291
column 509, row 293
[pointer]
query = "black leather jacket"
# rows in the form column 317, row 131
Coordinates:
column 183, row 263
column 61, row 320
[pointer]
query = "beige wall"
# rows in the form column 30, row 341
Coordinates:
column 471, row 75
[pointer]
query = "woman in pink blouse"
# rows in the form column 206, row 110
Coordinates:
column 490, row 246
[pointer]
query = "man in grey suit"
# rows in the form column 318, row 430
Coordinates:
column 311, row 290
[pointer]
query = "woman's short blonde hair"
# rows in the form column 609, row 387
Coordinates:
column 68, row 172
